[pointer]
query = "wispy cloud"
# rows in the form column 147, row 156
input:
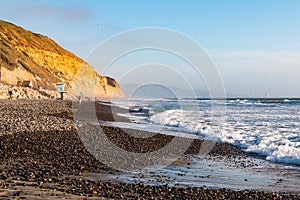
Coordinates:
column 258, row 54
column 69, row 13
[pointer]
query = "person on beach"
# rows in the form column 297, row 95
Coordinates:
column 10, row 93
column 80, row 97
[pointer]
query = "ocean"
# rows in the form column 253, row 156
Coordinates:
column 267, row 127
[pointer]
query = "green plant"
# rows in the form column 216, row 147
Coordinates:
column 27, row 38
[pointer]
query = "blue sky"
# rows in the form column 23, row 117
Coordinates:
column 254, row 43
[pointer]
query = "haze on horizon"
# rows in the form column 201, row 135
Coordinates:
column 255, row 44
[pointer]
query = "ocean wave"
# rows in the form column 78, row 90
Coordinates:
column 273, row 133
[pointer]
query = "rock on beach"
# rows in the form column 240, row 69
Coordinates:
column 41, row 149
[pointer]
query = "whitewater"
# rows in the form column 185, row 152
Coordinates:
column 268, row 127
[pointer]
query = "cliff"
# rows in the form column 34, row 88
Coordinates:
column 29, row 56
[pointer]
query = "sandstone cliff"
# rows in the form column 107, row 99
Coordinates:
column 29, row 56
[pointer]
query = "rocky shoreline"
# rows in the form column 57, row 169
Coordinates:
column 22, row 92
column 41, row 149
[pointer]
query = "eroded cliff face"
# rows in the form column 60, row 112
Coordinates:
column 28, row 56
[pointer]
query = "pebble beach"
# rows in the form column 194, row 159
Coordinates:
column 42, row 157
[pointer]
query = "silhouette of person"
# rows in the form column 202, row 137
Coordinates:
column 10, row 93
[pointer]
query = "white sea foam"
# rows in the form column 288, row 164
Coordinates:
column 267, row 130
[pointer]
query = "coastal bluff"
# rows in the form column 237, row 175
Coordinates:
column 32, row 60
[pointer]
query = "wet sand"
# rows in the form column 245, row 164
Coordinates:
column 42, row 157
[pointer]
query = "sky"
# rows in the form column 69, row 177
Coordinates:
column 255, row 44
